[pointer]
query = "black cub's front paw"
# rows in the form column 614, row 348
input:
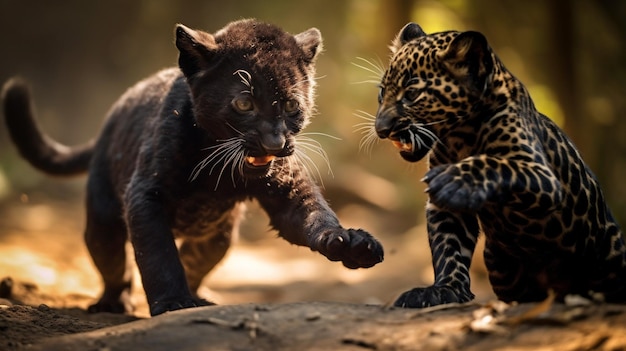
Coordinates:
column 113, row 301
column 116, row 306
column 355, row 248
column 432, row 296
column 450, row 187
column 162, row 306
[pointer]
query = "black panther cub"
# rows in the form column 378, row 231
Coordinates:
column 180, row 152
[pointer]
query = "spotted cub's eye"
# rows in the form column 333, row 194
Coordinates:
column 381, row 94
column 291, row 106
column 411, row 95
column 243, row 104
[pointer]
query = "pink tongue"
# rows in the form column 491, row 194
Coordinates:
column 260, row 161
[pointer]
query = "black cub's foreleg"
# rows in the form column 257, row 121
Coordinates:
column 302, row 216
column 150, row 223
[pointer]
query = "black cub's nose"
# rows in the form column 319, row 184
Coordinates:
column 273, row 144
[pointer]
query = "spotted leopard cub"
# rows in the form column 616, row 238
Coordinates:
column 495, row 164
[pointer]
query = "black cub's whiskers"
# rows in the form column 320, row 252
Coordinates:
column 228, row 152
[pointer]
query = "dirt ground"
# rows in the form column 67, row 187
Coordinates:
column 577, row 326
column 271, row 296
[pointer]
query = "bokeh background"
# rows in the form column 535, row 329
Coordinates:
column 79, row 56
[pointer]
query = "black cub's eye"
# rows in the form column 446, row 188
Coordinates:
column 243, row 104
column 291, row 106
column 411, row 95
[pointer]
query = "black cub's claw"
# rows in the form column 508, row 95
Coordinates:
column 448, row 188
column 162, row 306
column 355, row 248
column 432, row 296
column 113, row 301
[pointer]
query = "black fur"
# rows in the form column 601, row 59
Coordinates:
column 180, row 152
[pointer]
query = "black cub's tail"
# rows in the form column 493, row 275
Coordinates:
column 35, row 146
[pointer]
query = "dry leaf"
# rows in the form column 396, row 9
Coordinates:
column 534, row 312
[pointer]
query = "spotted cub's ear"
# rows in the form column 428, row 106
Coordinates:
column 468, row 58
column 310, row 41
column 196, row 49
column 406, row 34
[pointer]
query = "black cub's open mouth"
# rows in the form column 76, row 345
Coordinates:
column 260, row 161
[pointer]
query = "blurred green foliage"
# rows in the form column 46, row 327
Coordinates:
column 81, row 55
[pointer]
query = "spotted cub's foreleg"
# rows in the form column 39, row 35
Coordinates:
column 470, row 184
column 456, row 193
column 452, row 237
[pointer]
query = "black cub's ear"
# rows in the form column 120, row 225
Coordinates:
column 409, row 32
column 468, row 58
column 196, row 49
column 310, row 41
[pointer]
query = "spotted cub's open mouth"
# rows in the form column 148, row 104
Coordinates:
column 260, row 161
column 402, row 146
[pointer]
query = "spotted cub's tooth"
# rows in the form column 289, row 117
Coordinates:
column 402, row 146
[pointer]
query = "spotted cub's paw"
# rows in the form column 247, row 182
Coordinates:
column 355, row 248
column 432, row 296
column 173, row 304
column 450, row 187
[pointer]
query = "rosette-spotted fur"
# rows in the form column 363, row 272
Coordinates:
column 496, row 165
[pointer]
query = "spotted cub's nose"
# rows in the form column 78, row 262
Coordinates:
column 384, row 123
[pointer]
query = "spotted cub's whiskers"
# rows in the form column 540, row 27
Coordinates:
column 375, row 68
column 369, row 137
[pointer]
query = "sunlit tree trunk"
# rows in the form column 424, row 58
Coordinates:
column 561, row 63
column 395, row 14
